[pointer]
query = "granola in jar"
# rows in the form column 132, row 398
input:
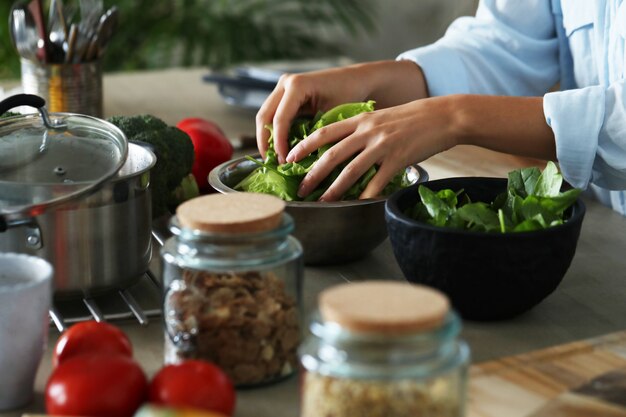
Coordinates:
column 244, row 322
column 232, row 276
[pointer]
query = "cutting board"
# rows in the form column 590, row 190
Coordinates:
column 580, row 379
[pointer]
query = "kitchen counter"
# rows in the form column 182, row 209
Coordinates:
column 588, row 303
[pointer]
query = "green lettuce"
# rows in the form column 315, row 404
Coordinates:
column 283, row 180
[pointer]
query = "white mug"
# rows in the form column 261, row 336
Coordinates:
column 25, row 293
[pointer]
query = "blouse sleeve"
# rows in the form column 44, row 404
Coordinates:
column 509, row 48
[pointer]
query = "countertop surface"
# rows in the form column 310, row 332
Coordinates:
column 588, row 303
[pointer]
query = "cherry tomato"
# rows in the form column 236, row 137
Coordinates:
column 91, row 337
column 96, row 386
column 211, row 147
column 193, row 384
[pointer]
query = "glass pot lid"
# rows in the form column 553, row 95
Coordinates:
column 46, row 160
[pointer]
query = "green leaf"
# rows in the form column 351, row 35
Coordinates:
column 449, row 197
column 298, row 169
column 529, row 225
column 532, row 207
column 532, row 201
column 357, row 188
column 500, row 201
column 549, row 182
column 480, row 214
column 436, row 207
column 503, row 221
column 561, row 202
column 522, row 181
column 268, row 181
column 342, row 112
column 418, row 212
column 398, row 182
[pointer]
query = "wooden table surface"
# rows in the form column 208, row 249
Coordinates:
column 587, row 304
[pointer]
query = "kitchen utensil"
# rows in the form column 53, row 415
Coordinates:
column 90, row 12
column 25, row 292
column 36, row 9
column 70, row 44
column 488, row 276
column 56, row 22
column 106, row 28
column 58, row 31
column 30, row 189
column 23, row 31
column 331, row 233
column 72, row 205
column 97, row 242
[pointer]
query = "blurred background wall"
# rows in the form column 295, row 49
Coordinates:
column 407, row 24
column 162, row 33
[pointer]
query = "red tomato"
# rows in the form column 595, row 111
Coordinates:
column 211, row 147
column 96, row 386
column 91, row 337
column 193, row 384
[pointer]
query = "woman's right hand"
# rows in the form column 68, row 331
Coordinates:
column 389, row 83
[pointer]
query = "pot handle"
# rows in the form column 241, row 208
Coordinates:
column 31, row 100
column 17, row 100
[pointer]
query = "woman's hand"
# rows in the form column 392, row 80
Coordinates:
column 391, row 138
column 397, row 137
column 389, row 83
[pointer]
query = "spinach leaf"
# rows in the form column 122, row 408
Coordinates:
column 522, row 181
column 549, row 182
column 438, row 209
column 559, row 203
column 533, row 200
column 480, row 216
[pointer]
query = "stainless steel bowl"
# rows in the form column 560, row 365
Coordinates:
column 331, row 233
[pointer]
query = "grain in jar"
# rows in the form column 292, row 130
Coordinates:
column 384, row 349
column 232, row 277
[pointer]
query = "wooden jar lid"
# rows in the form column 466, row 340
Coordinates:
column 232, row 213
column 384, row 307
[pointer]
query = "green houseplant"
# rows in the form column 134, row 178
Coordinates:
column 217, row 33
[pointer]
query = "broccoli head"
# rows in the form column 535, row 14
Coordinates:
column 173, row 149
column 9, row 114
column 134, row 125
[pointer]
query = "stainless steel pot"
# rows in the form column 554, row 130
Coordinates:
column 97, row 242
column 74, row 192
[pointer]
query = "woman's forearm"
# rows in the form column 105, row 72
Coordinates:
column 514, row 125
column 392, row 83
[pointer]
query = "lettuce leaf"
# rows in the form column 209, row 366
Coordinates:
column 282, row 180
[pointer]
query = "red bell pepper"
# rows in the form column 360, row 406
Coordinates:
column 211, row 147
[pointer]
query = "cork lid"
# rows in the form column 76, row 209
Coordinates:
column 232, row 213
column 384, row 307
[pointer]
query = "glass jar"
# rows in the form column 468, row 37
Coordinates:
column 373, row 354
column 233, row 287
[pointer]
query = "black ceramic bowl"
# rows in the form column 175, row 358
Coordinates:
column 488, row 276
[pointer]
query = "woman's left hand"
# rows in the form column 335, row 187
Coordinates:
column 392, row 138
